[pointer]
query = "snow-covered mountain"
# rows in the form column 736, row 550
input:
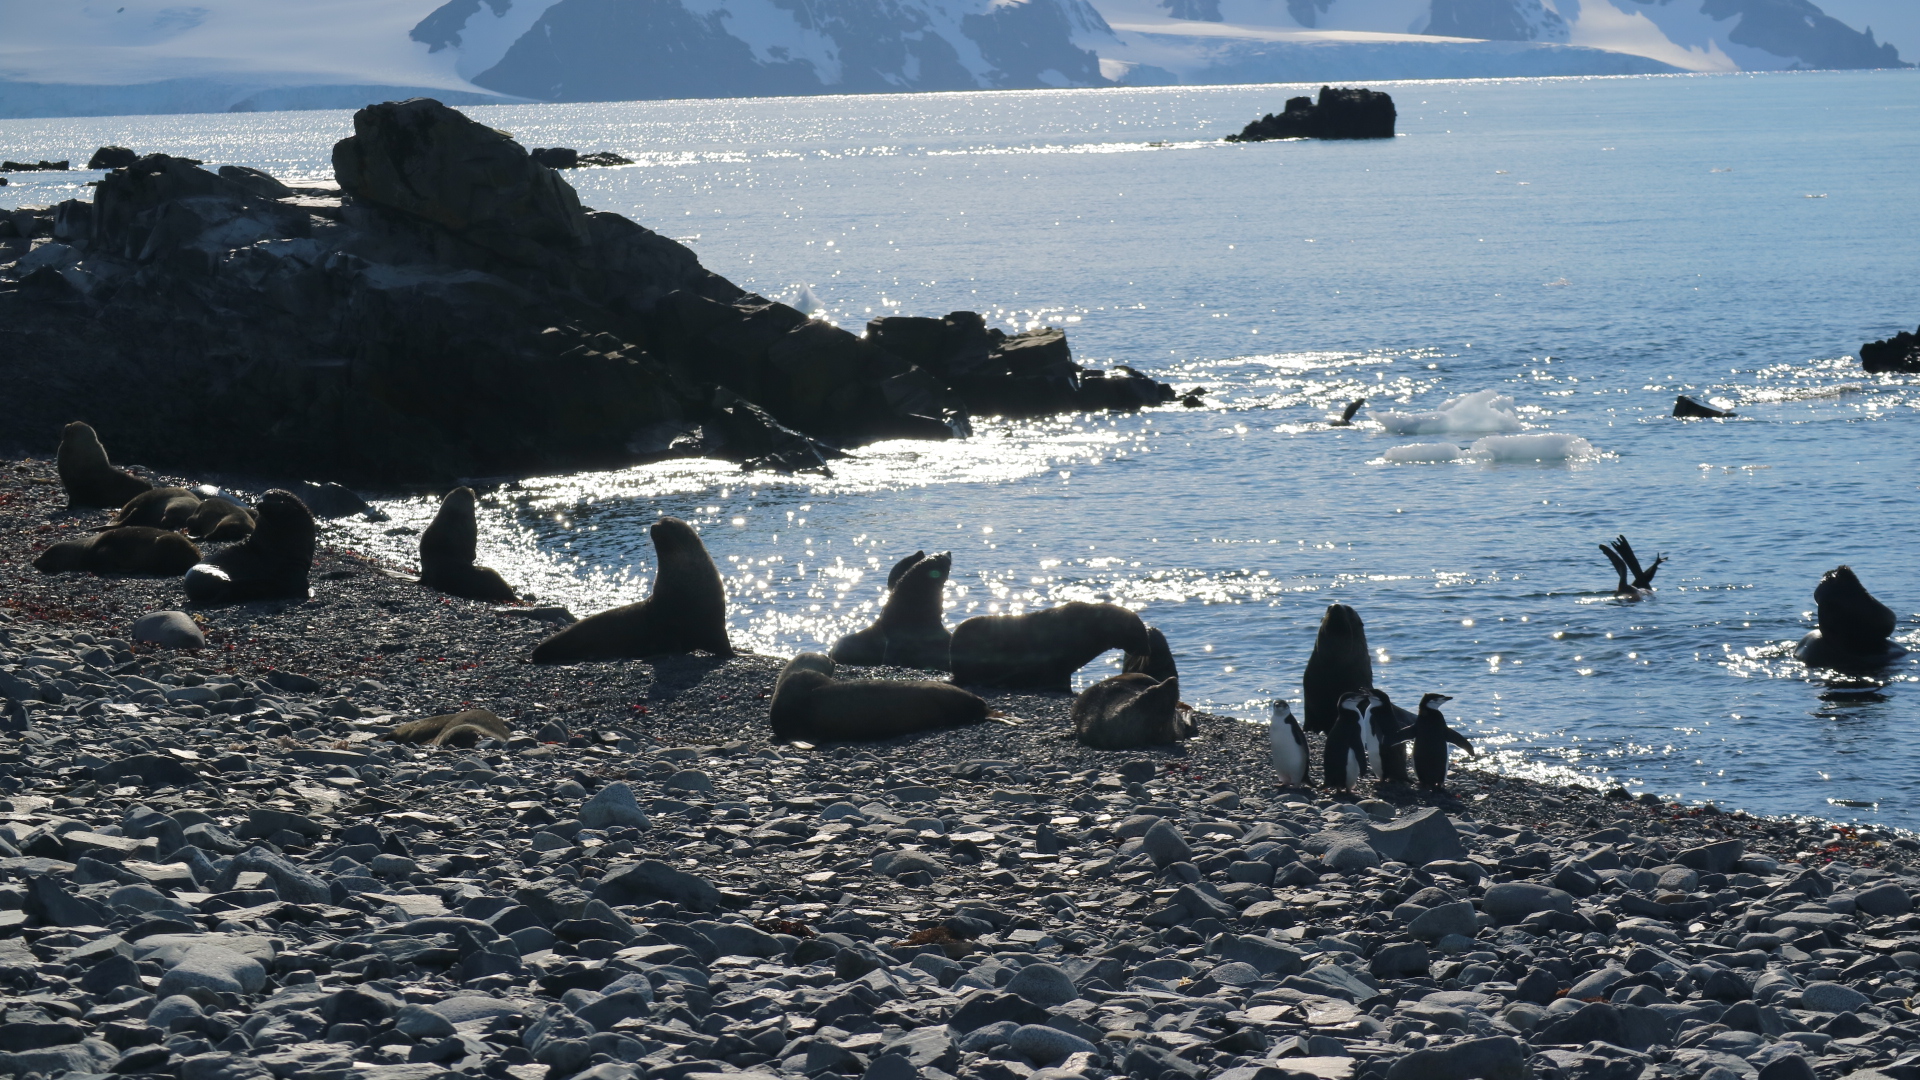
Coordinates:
column 104, row 56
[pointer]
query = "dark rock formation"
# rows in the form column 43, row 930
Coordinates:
column 563, row 157
column 1899, row 353
column 42, row 166
column 1344, row 113
column 454, row 311
column 112, row 157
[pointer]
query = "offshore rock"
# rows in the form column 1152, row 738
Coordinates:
column 1898, row 354
column 1344, row 113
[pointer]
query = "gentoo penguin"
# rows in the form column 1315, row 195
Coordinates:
column 1392, row 727
column 1345, row 758
column 1430, row 738
column 1289, row 746
column 1625, row 563
column 1346, row 416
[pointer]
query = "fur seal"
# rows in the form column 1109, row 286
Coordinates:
column 687, row 609
column 271, row 564
column 159, row 508
column 1157, row 661
column 1042, row 650
column 1340, row 663
column 1431, row 737
column 447, row 551
column 1627, row 565
column 1130, row 711
column 1685, row 408
column 220, row 518
column 808, row 703
column 909, row 632
column 127, row 549
column 1855, row 629
column 464, row 728
column 89, row 479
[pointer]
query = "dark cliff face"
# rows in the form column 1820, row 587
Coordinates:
column 1797, row 28
column 1496, row 20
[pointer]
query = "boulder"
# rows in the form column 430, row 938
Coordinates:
column 112, row 157
column 1512, row 901
column 1899, row 354
column 1344, row 113
column 649, row 880
column 168, row 629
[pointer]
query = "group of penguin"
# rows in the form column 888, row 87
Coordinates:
column 1370, row 735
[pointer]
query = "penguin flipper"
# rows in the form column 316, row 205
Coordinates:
column 1462, row 742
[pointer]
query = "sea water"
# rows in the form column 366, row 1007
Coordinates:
column 1532, row 271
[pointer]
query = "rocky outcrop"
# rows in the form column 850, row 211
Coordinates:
column 1343, row 113
column 566, row 157
column 112, row 157
column 34, row 166
column 451, row 310
column 1899, row 353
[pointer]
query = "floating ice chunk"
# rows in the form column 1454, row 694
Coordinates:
column 1488, row 410
column 1424, row 452
column 1541, row 447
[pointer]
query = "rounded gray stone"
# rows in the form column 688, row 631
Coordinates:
column 1513, row 901
column 1165, row 846
column 172, row 1008
column 421, row 1022
column 168, row 629
column 610, row 806
column 1043, row 984
column 1831, row 997
column 1351, row 855
column 216, row 968
column 1047, row 1045
column 1437, row 922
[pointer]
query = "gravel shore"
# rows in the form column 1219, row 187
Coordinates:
column 216, row 870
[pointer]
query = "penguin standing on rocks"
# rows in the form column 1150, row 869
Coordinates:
column 1390, row 727
column 1430, row 738
column 1289, row 746
column 1345, row 757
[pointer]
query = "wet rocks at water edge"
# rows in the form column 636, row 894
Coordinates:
column 562, row 157
column 1899, row 354
column 34, row 166
column 1341, row 113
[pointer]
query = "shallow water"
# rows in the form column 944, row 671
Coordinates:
column 1589, row 248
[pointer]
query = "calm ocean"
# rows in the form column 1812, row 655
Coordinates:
column 1587, row 248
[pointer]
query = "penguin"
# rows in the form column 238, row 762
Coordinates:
column 1625, row 562
column 1345, row 757
column 1373, row 716
column 1391, row 728
column 1430, row 738
column 1289, row 746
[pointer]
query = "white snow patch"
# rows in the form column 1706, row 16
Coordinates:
column 486, row 37
column 1487, row 410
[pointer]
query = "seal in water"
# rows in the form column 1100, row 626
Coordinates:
column 159, row 508
column 1855, row 629
column 1685, row 408
column 1346, row 415
column 1157, row 661
column 1344, row 757
column 909, row 632
column 808, row 703
column 464, row 728
column 1289, row 746
column 1127, row 712
column 126, row 549
column 687, row 609
column 447, row 550
column 1431, row 737
column 220, row 518
column 1339, row 663
column 85, row 473
column 1636, row 582
column 271, row 564
column 1041, row 650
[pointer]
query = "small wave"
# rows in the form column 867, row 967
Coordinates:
column 1488, row 410
column 1541, row 447
column 1423, row 453
column 801, row 298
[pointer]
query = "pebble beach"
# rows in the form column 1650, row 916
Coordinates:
column 216, row 869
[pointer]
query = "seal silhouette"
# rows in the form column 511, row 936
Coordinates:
column 447, row 550
column 1855, row 631
column 1157, row 661
column 126, row 549
column 909, row 632
column 271, row 564
column 159, row 508
column 86, row 474
column 1130, row 711
column 1339, row 664
column 220, row 518
column 464, row 728
column 809, row 703
column 1041, row 650
column 687, row 609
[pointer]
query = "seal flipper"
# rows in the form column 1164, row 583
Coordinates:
column 1642, row 578
column 1619, row 567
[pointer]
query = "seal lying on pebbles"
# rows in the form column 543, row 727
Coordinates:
column 220, row 518
column 687, row 609
column 129, row 549
column 1041, row 650
column 808, row 703
column 159, row 508
column 272, row 563
column 86, row 474
column 1855, row 629
column 464, row 728
column 1339, row 664
column 447, row 551
column 1157, row 661
column 909, row 632
column 1130, row 711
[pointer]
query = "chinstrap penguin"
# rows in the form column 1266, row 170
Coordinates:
column 1289, row 746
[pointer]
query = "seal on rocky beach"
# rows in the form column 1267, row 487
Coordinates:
column 1157, row 661
column 1041, row 650
column 129, row 549
column 447, row 549
column 1288, row 746
column 1343, row 759
column 159, row 508
column 808, row 703
column 909, row 632
column 464, row 728
column 1130, row 711
column 84, row 471
column 1339, row 664
column 1855, row 629
column 1432, row 742
column 271, row 564
column 220, row 518
column 686, row 610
